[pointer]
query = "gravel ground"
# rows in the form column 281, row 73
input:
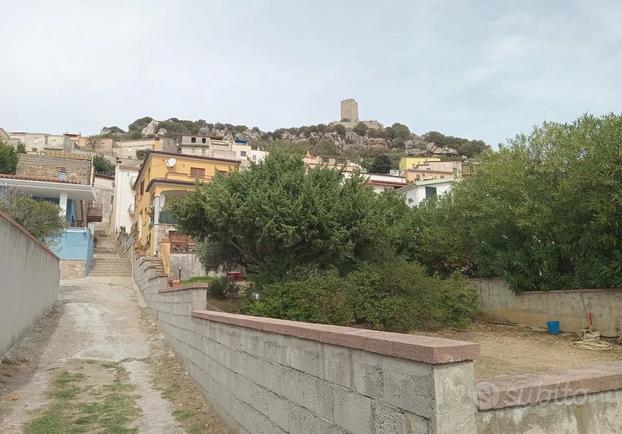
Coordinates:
column 101, row 319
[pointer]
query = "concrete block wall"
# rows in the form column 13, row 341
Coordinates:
column 535, row 308
column 29, row 279
column 272, row 376
column 265, row 375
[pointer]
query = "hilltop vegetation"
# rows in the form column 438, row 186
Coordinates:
column 360, row 141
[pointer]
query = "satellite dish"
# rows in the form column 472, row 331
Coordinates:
column 171, row 162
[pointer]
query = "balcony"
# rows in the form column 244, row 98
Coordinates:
column 94, row 213
column 167, row 218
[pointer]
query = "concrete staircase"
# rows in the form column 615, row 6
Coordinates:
column 106, row 260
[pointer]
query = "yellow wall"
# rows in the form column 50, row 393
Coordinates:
column 155, row 167
column 412, row 162
column 425, row 175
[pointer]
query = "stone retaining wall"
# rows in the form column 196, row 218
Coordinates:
column 265, row 375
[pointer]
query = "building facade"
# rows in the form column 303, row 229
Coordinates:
column 38, row 142
column 206, row 146
column 122, row 216
column 417, row 192
column 57, row 165
column 412, row 162
column 166, row 175
column 135, row 149
column 434, row 170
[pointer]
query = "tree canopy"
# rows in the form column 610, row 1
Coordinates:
column 279, row 215
column 39, row 217
column 8, row 157
column 381, row 164
column 543, row 213
column 102, row 165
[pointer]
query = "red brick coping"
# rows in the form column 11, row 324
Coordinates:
column 184, row 287
column 523, row 389
column 417, row 348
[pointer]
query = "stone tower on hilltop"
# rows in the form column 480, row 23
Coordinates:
column 350, row 110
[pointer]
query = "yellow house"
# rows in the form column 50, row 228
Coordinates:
column 165, row 174
column 412, row 162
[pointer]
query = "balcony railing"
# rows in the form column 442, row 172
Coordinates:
column 167, row 218
column 94, row 213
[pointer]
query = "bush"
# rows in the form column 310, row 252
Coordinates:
column 397, row 296
column 544, row 212
column 222, row 287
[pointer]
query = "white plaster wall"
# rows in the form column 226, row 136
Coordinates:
column 123, row 198
column 29, row 278
column 414, row 196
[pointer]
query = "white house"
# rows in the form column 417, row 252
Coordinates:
column 206, row 146
column 415, row 193
column 123, row 198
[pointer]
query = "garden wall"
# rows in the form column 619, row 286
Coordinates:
column 29, row 278
column 265, row 375
column 535, row 308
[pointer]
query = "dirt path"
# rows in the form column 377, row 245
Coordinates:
column 513, row 349
column 97, row 320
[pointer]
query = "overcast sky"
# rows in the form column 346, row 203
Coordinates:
column 477, row 69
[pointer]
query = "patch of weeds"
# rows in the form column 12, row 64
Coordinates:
column 195, row 429
column 50, row 422
column 183, row 414
column 75, row 409
column 109, row 365
column 169, row 392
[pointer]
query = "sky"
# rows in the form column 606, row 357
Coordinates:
column 476, row 69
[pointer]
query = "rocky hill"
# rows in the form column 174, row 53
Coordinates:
column 344, row 138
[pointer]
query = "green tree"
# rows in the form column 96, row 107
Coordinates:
column 139, row 124
column 381, row 164
column 325, row 147
column 544, row 212
column 400, row 131
column 278, row 215
column 8, row 158
column 39, row 217
column 341, row 130
column 102, row 165
column 360, row 129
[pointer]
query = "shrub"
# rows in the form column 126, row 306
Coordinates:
column 396, row 296
column 222, row 287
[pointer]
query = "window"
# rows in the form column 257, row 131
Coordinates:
column 222, row 172
column 197, row 172
column 430, row 192
column 243, row 153
column 193, row 139
column 62, row 174
column 142, row 187
column 203, row 140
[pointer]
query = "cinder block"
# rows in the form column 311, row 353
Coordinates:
column 336, row 365
column 389, row 419
column 455, row 409
column 303, row 421
column 304, row 356
column 409, row 386
column 310, row 392
column 352, row 411
column 368, row 377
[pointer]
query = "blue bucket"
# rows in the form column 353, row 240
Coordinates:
column 553, row 327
